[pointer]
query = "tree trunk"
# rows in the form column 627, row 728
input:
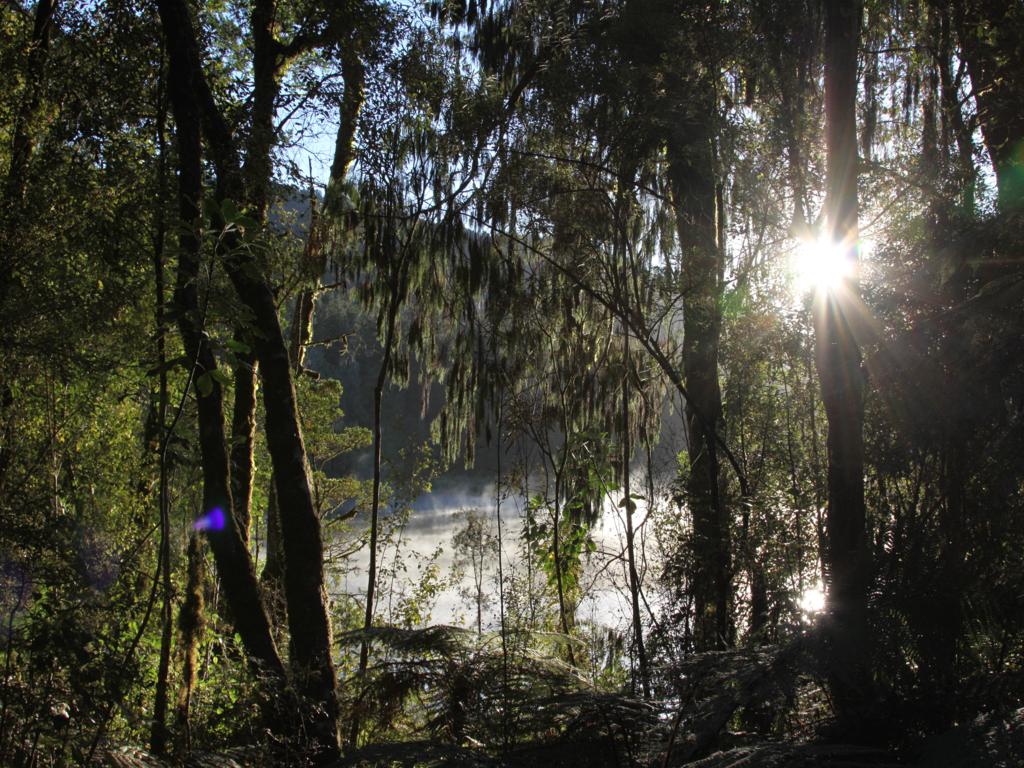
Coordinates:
column 243, row 440
column 190, row 623
column 354, row 76
column 272, row 577
column 952, row 112
column 305, row 594
column 158, row 733
column 501, row 568
column 22, row 145
column 371, row 568
column 991, row 36
column 563, row 613
column 634, row 579
column 313, row 665
column 234, row 564
column 266, row 64
column 691, row 159
column 22, row 141
column 842, row 380
column 258, row 173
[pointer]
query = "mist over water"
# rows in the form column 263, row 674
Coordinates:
column 435, row 519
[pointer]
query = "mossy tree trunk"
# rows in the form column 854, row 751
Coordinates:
column 312, row 666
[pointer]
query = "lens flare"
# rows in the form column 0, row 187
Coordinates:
column 822, row 265
column 213, row 520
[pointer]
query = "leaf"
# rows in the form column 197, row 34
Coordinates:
column 204, row 384
column 248, row 224
column 211, row 210
column 230, row 211
column 220, row 377
column 238, row 347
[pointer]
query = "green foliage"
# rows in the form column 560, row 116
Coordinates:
column 508, row 241
column 438, row 682
column 474, row 548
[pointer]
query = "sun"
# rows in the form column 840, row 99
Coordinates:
column 821, row 265
column 812, row 600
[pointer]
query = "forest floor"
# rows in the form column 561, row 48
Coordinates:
column 990, row 741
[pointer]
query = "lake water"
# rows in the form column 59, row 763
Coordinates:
column 435, row 520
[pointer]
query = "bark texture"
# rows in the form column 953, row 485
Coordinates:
column 305, row 594
column 243, row 441
column 190, row 624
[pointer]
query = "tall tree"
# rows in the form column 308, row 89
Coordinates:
column 312, row 668
column 841, row 376
column 690, row 148
column 232, row 556
column 686, row 126
column 23, row 139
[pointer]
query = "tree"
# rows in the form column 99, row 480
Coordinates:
column 841, row 377
column 990, row 34
column 195, row 109
column 474, row 546
column 691, row 160
column 226, row 539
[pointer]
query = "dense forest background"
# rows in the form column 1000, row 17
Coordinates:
column 667, row 353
